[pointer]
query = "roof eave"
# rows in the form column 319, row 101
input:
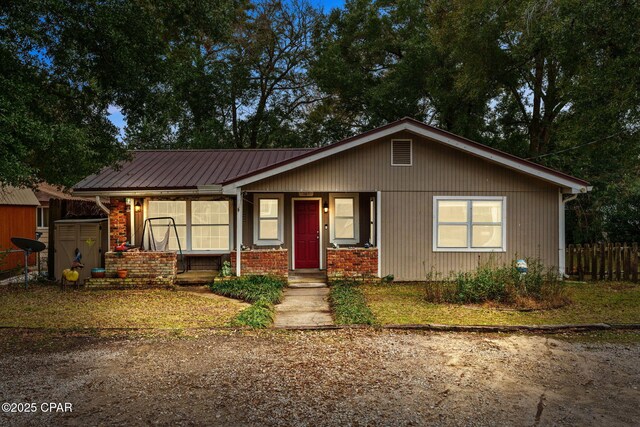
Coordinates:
column 202, row 190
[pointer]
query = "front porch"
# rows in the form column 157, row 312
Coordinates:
column 336, row 233
column 257, row 233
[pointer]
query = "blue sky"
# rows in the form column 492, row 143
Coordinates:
column 115, row 115
column 330, row 4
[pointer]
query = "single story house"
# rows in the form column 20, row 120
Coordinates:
column 17, row 219
column 397, row 200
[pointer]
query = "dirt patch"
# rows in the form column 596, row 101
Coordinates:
column 358, row 377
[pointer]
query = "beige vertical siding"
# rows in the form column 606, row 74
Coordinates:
column 407, row 233
column 407, row 202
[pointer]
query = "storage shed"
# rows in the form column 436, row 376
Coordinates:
column 17, row 219
column 89, row 236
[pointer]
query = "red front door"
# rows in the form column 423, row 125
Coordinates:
column 306, row 233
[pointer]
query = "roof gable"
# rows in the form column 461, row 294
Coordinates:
column 567, row 182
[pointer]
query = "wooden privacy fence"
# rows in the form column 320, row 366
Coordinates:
column 603, row 261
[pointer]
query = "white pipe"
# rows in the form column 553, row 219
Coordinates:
column 101, row 206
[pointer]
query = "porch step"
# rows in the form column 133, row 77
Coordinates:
column 196, row 277
column 307, row 285
column 307, row 278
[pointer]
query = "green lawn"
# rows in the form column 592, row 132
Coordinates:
column 600, row 302
column 49, row 307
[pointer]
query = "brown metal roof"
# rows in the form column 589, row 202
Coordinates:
column 18, row 196
column 184, row 169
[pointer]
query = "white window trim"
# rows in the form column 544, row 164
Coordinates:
column 356, row 218
column 502, row 199
column 410, row 151
column 41, row 209
column 186, row 247
column 256, row 219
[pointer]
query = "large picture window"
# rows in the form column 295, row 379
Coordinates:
column 176, row 209
column 202, row 225
column 473, row 224
column 210, row 225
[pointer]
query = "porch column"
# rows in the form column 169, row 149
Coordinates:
column 238, row 230
column 379, row 231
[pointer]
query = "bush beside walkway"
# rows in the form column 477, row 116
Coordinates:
column 262, row 291
column 349, row 304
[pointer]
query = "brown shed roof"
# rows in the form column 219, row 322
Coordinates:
column 18, row 196
column 45, row 191
column 184, row 169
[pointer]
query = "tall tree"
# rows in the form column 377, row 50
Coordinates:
column 200, row 74
column 552, row 80
column 378, row 61
column 53, row 123
column 267, row 58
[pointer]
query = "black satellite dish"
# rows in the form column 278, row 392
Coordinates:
column 28, row 246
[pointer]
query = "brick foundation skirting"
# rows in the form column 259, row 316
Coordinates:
column 273, row 262
column 144, row 270
column 352, row 263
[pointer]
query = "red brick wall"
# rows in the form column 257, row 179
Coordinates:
column 117, row 222
column 144, row 269
column 361, row 263
column 273, row 262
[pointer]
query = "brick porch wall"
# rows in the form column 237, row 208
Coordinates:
column 144, row 270
column 274, row 262
column 355, row 263
column 117, row 222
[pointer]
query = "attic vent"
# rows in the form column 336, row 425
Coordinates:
column 401, row 152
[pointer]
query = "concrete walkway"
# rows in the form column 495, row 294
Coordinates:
column 305, row 303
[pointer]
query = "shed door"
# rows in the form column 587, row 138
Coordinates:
column 65, row 246
column 307, row 233
column 85, row 237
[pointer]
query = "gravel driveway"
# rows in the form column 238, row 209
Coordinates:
column 360, row 377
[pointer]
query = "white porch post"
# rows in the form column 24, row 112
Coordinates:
column 238, row 230
column 379, row 231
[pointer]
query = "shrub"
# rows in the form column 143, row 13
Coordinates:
column 504, row 284
column 349, row 304
column 250, row 288
column 226, row 270
column 259, row 315
column 439, row 290
column 262, row 291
